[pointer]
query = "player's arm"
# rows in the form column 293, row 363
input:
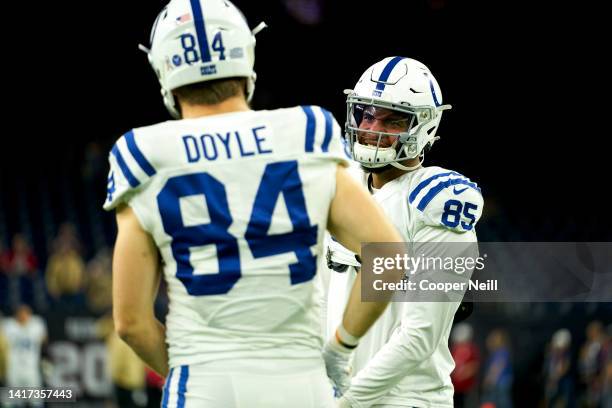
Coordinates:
column 136, row 278
column 414, row 341
column 426, row 323
column 355, row 218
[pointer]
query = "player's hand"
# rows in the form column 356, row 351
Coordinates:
column 337, row 358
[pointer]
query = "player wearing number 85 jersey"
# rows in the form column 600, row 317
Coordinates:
column 236, row 203
column 392, row 118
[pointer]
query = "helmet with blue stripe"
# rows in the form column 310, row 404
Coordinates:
column 194, row 41
column 404, row 91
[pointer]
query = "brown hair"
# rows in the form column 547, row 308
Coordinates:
column 211, row 92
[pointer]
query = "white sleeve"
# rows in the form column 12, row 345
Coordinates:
column 454, row 203
column 411, row 344
column 422, row 328
column 337, row 285
column 324, row 135
column 321, row 284
column 129, row 169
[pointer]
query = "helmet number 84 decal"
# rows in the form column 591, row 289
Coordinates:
column 190, row 49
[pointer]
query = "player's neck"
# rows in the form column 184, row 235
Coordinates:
column 382, row 178
column 233, row 104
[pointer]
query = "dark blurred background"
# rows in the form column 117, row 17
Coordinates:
column 523, row 79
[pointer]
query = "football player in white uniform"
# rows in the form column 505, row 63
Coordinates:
column 392, row 117
column 25, row 335
column 231, row 205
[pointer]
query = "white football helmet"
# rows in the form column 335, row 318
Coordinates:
column 195, row 41
column 406, row 87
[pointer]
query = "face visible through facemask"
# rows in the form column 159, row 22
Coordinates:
column 381, row 120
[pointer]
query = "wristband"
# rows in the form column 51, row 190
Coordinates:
column 345, row 338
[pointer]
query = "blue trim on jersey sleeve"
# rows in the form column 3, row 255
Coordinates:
column 441, row 186
column 200, row 26
column 426, row 182
column 182, row 386
column 124, row 167
column 387, row 72
column 137, row 153
column 167, row 389
column 310, row 128
column 329, row 122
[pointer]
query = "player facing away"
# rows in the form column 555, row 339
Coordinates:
column 230, row 206
column 392, row 118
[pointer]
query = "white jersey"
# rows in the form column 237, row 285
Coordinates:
column 404, row 358
column 237, row 204
column 24, row 347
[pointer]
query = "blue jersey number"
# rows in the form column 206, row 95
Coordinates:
column 279, row 178
column 452, row 214
column 283, row 178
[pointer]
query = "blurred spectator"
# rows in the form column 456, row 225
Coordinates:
column 606, row 392
column 65, row 270
column 3, row 254
column 467, row 363
column 497, row 383
column 591, row 365
column 20, row 266
column 4, row 292
column 25, row 335
column 126, row 369
column 559, row 383
column 67, row 236
column 20, row 260
column 94, row 166
column 155, row 384
column 99, row 283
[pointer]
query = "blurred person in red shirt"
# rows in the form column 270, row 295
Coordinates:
column 20, row 266
column 467, row 364
column 155, row 384
column 20, row 259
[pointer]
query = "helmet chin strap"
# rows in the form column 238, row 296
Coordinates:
column 421, row 159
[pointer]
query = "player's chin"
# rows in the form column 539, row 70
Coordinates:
column 376, row 170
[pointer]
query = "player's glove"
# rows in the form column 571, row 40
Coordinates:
column 337, row 357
